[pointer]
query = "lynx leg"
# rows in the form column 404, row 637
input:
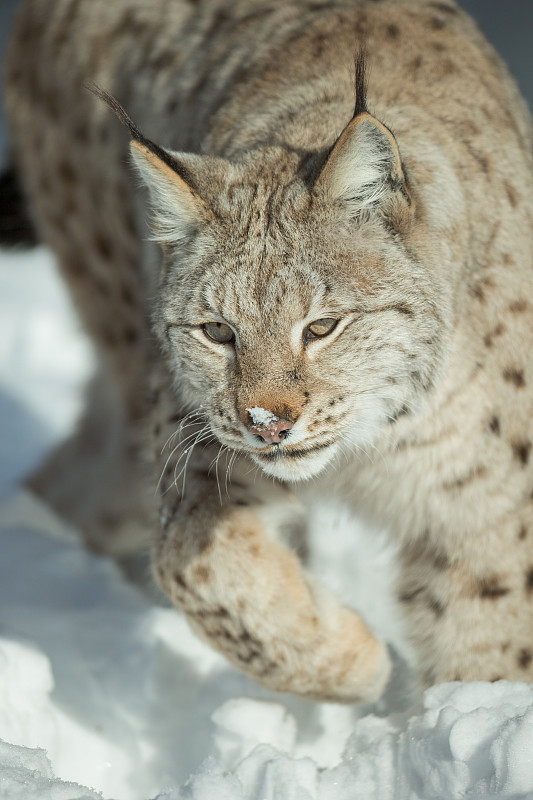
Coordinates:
column 72, row 163
column 219, row 556
column 470, row 614
column 97, row 479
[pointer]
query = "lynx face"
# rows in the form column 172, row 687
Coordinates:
column 304, row 312
column 287, row 288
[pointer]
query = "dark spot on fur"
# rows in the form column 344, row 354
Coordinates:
column 401, row 412
column 525, row 656
column 436, row 24
column 465, row 480
column 66, row 173
column 209, row 613
column 494, row 425
column 415, row 63
column 201, row 573
column 512, row 194
column 507, row 259
column 514, row 376
column 179, row 579
column 505, row 646
column 127, row 296
column 529, row 580
column 522, row 534
column 392, row 31
column 441, row 562
column 408, row 597
column 521, row 451
column 518, row 306
column 482, row 160
column 489, row 338
column 318, row 45
column 478, row 290
column 103, row 246
column 131, row 336
column 491, row 589
column 81, row 134
column 157, row 429
column 436, row 606
column 403, row 308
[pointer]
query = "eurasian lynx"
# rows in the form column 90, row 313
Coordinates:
column 331, row 281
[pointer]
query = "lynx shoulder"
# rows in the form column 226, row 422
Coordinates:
column 337, row 270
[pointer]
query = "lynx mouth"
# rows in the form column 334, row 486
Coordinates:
column 298, row 464
column 280, row 453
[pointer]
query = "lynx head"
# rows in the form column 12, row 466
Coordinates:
column 290, row 309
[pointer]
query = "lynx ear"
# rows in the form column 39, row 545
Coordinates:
column 178, row 208
column 364, row 172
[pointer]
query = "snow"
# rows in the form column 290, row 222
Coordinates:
column 262, row 417
column 106, row 693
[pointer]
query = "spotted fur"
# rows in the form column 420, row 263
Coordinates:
column 275, row 205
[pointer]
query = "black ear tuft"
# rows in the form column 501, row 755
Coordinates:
column 117, row 109
column 135, row 133
column 360, row 82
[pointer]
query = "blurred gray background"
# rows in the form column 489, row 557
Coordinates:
column 506, row 23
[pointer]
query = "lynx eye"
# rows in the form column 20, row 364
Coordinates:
column 320, row 327
column 218, row 332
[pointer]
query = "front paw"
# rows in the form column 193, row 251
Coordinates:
column 247, row 595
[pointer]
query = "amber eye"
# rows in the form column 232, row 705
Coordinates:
column 218, row 332
column 321, row 327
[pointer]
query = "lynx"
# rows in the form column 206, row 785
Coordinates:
column 338, row 271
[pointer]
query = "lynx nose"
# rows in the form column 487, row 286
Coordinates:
column 265, row 424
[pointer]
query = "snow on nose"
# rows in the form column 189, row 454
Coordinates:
column 265, row 424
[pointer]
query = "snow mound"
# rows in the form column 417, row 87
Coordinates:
column 26, row 774
column 472, row 740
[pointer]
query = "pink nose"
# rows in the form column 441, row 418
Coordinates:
column 273, row 432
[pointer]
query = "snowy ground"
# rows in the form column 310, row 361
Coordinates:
column 102, row 687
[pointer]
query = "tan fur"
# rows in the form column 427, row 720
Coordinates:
column 411, row 224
